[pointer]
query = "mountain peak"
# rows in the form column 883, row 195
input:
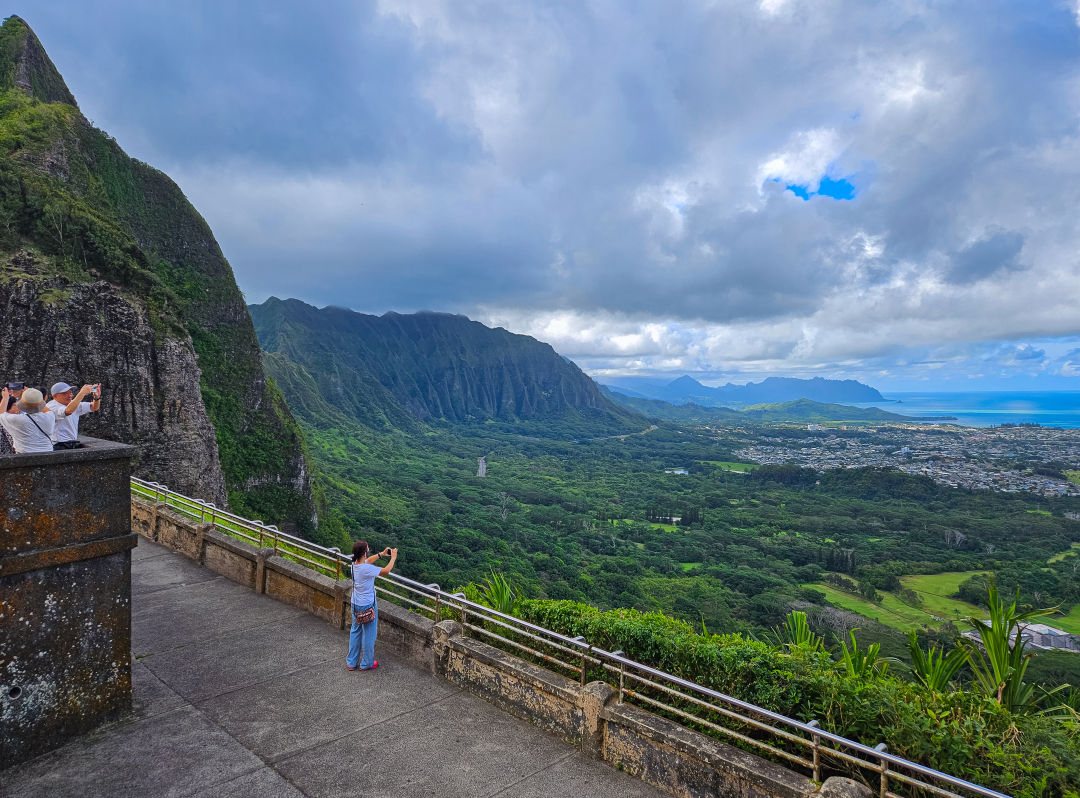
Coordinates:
column 25, row 65
column 685, row 382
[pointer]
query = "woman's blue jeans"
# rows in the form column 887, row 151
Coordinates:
column 362, row 640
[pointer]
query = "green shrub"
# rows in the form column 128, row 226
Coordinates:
column 961, row 733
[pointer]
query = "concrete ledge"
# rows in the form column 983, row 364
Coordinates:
column 33, row 561
column 94, row 449
column 229, row 557
column 408, row 633
column 300, row 587
column 665, row 754
column 541, row 697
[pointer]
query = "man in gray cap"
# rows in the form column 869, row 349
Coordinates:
column 31, row 428
column 67, row 408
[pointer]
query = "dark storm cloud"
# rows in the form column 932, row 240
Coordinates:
column 986, row 256
column 309, row 86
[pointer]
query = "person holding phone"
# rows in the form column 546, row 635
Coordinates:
column 14, row 391
column 365, row 609
column 68, row 407
column 30, row 428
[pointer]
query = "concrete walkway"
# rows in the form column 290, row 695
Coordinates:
column 239, row 695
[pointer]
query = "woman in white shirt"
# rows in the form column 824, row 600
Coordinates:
column 30, row 429
column 365, row 610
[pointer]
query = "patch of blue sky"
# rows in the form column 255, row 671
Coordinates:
column 841, row 189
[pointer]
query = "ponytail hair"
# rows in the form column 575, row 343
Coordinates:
column 359, row 550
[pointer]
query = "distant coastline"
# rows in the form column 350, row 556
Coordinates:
column 986, row 408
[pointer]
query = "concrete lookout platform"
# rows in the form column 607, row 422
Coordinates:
column 237, row 694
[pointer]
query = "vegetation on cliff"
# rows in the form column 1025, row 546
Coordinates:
column 83, row 212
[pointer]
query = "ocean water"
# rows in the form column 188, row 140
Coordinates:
column 989, row 408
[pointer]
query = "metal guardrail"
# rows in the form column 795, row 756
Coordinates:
column 695, row 706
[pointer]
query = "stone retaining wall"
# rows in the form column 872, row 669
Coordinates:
column 656, row 750
column 65, row 595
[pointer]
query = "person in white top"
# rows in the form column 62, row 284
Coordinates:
column 67, row 409
column 30, row 429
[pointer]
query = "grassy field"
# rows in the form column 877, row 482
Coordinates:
column 1073, row 476
column 689, row 566
column 1075, row 549
column 726, row 465
column 1069, row 623
column 655, row 525
column 891, row 611
column 935, row 589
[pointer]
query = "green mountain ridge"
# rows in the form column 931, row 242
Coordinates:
column 395, row 370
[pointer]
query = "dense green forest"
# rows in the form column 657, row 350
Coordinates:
column 567, row 519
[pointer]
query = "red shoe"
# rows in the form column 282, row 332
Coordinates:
column 374, row 665
column 350, row 667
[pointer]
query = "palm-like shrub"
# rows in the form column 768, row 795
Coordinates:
column 933, row 668
column 795, row 633
column 498, row 593
column 862, row 663
column 1001, row 661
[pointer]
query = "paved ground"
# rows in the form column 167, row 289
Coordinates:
column 239, row 695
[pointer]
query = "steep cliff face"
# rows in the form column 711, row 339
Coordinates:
column 433, row 365
column 109, row 275
column 53, row 327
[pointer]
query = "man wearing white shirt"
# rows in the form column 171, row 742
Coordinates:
column 31, row 428
column 67, row 409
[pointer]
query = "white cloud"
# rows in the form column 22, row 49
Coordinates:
column 805, row 159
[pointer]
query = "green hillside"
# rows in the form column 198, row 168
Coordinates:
column 431, row 367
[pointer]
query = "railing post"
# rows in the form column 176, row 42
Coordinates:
column 817, row 751
column 622, row 671
column 884, row 770
column 464, row 627
column 438, row 592
column 337, row 563
column 584, row 652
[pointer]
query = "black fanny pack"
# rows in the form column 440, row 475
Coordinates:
column 67, row 445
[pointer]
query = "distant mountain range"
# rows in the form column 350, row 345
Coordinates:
column 797, row 410
column 396, row 370
column 773, row 390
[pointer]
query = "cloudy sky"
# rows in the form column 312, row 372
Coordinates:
column 888, row 191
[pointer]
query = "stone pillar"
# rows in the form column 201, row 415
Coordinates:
column 260, row 568
column 594, row 699
column 440, row 645
column 65, row 595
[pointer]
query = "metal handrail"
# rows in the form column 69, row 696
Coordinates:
column 615, row 661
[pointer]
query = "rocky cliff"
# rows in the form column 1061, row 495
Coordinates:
column 107, row 274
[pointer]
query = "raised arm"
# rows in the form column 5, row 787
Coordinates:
column 390, row 565
column 371, row 558
column 76, row 400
